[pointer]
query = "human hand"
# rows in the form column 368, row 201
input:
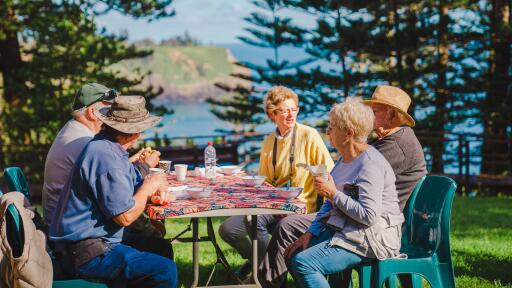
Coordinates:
column 301, row 243
column 165, row 195
column 150, row 157
column 326, row 188
column 155, row 182
column 137, row 156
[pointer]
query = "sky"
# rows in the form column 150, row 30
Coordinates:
column 210, row 21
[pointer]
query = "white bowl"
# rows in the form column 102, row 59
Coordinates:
column 230, row 169
column 288, row 193
column 253, row 180
column 199, row 192
column 179, row 191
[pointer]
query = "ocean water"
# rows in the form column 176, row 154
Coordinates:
column 194, row 119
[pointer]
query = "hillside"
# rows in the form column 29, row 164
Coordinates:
column 187, row 73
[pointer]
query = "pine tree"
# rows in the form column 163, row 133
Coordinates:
column 497, row 106
column 337, row 43
column 48, row 49
column 269, row 30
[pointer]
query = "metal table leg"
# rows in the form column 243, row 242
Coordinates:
column 254, row 230
column 220, row 256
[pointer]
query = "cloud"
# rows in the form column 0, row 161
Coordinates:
column 211, row 21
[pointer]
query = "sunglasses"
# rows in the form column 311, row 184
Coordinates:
column 107, row 96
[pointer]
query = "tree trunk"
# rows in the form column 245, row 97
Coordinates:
column 10, row 61
column 494, row 109
column 441, row 91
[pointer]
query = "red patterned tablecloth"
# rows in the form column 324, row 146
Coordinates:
column 228, row 192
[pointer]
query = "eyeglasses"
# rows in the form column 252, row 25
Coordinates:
column 329, row 128
column 284, row 112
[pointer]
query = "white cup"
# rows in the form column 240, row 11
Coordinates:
column 181, row 171
column 166, row 165
column 199, row 172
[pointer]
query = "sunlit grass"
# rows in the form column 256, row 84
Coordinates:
column 481, row 245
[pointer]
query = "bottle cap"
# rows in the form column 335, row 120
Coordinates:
column 210, row 143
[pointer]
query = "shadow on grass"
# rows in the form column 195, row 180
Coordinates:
column 486, row 266
column 186, row 273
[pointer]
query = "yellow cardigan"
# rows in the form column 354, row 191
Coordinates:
column 309, row 149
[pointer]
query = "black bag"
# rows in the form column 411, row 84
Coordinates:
column 83, row 251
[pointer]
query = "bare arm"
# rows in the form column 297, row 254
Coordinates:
column 147, row 189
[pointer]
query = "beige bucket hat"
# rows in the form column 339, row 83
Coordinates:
column 395, row 98
column 128, row 114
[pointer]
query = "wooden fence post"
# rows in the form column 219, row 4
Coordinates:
column 460, row 161
column 467, row 160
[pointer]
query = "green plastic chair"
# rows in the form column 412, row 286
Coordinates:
column 16, row 181
column 77, row 283
column 426, row 237
column 364, row 271
column 15, row 237
column 14, row 226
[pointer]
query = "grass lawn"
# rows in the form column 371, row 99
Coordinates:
column 481, row 245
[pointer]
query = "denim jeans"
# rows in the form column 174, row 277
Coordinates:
column 310, row 266
column 125, row 266
column 273, row 269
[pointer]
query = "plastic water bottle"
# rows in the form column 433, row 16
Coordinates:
column 210, row 161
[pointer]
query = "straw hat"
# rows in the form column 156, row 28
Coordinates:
column 395, row 98
column 128, row 114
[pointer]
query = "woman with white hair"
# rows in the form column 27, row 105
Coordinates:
column 361, row 217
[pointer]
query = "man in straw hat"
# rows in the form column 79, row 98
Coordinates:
column 104, row 194
column 396, row 141
column 143, row 234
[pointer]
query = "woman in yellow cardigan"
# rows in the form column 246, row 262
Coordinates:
column 291, row 143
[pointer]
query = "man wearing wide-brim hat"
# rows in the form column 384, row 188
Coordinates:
column 143, row 234
column 104, row 194
column 396, row 140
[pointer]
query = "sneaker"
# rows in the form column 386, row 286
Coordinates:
column 243, row 271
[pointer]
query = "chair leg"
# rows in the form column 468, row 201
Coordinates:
column 365, row 276
column 446, row 276
column 391, row 282
column 416, row 281
column 380, row 278
column 432, row 276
